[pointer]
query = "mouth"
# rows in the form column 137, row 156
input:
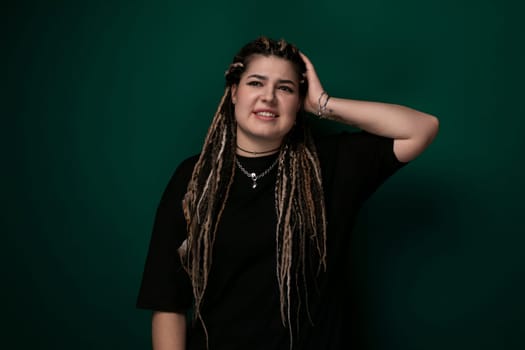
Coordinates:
column 265, row 114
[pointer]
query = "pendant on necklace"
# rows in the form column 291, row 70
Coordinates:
column 254, row 176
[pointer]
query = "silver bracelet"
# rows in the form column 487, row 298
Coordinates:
column 322, row 107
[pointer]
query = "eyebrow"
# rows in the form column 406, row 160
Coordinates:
column 262, row 77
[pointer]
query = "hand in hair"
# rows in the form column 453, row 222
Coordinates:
column 315, row 88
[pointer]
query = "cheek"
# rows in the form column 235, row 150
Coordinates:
column 295, row 106
column 236, row 111
column 243, row 99
column 292, row 116
column 240, row 108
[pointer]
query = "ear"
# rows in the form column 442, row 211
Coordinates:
column 234, row 93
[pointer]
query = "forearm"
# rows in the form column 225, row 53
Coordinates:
column 168, row 331
column 411, row 130
column 384, row 119
column 414, row 129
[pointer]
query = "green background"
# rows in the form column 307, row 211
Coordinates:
column 102, row 99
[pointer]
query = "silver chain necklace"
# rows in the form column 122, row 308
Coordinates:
column 254, row 176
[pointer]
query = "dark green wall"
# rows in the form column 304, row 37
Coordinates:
column 102, row 99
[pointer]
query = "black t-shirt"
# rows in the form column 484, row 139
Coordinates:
column 241, row 306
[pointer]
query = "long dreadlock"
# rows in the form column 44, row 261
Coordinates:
column 299, row 200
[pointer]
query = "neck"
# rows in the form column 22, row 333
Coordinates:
column 256, row 153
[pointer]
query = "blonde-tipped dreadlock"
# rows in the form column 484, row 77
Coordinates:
column 299, row 200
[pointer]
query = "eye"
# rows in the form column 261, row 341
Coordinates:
column 286, row 88
column 254, row 83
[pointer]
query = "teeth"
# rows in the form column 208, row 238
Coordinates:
column 266, row 114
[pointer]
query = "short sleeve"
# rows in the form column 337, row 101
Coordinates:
column 357, row 162
column 165, row 284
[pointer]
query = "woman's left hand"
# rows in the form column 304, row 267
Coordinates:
column 315, row 89
column 411, row 130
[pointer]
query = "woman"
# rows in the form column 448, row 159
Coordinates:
column 251, row 234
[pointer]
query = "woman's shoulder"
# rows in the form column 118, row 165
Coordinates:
column 343, row 138
column 330, row 147
column 187, row 164
column 358, row 151
column 182, row 174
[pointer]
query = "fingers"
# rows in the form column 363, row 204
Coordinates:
column 310, row 70
column 306, row 60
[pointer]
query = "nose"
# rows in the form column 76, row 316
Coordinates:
column 268, row 94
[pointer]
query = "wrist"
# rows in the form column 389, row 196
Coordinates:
column 324, row 111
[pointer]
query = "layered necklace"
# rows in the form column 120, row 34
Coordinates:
column 253, row 175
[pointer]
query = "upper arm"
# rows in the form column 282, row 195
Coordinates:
column 165, row 284
column 408, row 149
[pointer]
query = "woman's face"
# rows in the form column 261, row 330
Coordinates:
column 266, row 102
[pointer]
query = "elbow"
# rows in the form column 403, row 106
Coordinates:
column 425, row 131
column 426, row 128
column 432, row 128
